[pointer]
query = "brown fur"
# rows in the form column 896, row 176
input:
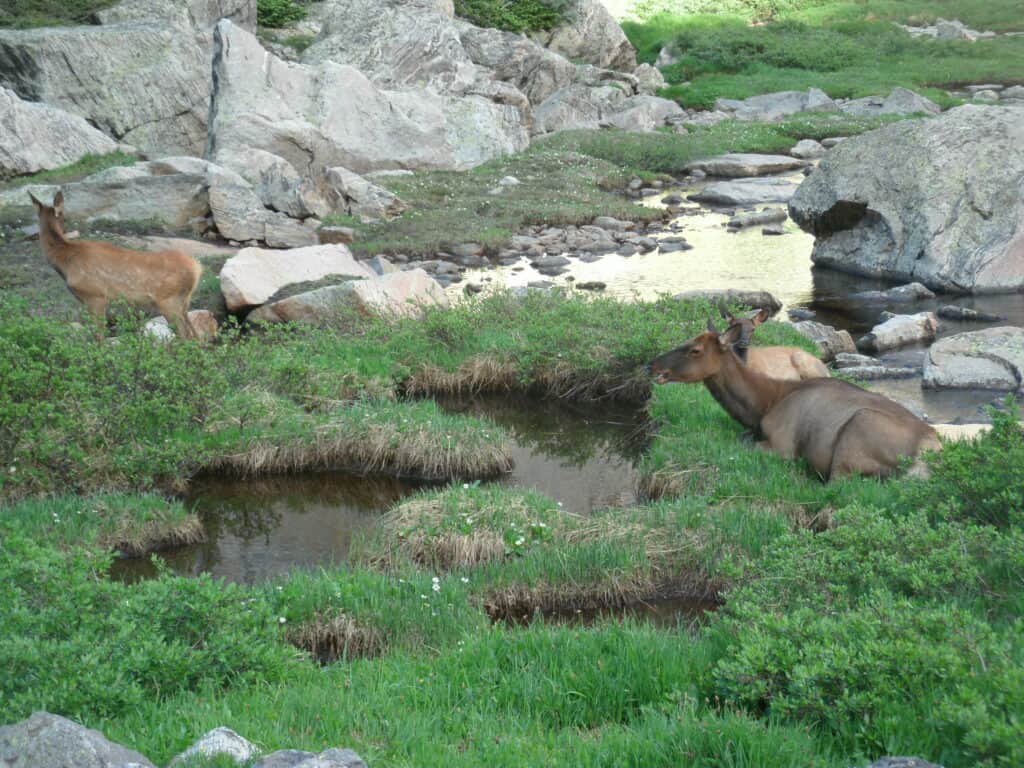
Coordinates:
column 783, row 363
column 837, row 427
column 98, row 273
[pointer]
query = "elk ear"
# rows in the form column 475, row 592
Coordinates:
column 711, row 326
column 58, row 202
column 725, row 313
column 730, row 336
column 39, row 206
column 759, row 317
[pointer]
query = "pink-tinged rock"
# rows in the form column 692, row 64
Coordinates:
column 203, row 323
column 254, row 275
column 404, row 294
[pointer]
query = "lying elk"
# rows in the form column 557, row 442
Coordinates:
column 98, row 273
column 780, row 363
column 837, row 427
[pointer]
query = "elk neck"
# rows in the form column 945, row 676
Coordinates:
column 56, row 248
column 746, row 395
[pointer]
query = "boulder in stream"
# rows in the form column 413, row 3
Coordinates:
column 746, row 191
column 737, row 165
column 992, row 358
column 899, row 331
column 830, row 341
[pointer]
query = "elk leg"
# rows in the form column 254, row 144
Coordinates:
column 864, row 447
column 97, row 306
column 177, row 315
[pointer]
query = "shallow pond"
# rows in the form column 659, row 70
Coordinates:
column 259, row 528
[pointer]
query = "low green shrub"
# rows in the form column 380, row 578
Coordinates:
column 516, row 16
column 278, row 13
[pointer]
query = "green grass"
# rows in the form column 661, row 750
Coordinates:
column 45, row 13
column 847, row 50
column 88, row 165
column 520, row 16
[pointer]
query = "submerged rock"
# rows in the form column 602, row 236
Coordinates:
column 757, row 218
column 937, row 201
column 50, row 741
column 953, row 312
column 909, row 292
column 992, row 358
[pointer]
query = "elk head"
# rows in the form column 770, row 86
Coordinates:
column 747, row 323
column 50, row 216
column 698, row 359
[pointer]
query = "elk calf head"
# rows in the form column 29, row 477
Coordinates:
column 698, row 359
column 51, row 217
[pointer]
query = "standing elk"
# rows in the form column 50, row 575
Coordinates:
column 98, row 272
column 837, row 427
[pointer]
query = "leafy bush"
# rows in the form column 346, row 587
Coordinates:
column 513, row 15
column 981, row 479
column 78, row 644
column 277, row 13
column 758, row 10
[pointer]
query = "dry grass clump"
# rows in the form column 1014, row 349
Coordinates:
column 479, row 374
column 336, row 637
column 134, row 540
column 673, row 480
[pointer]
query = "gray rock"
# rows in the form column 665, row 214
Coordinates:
column 853, row 360
column 1013, row 92
column 776, row 106
column 357, row 196
column 800, row 313
column 613, row 224
column 757, row 218
column 644, row 113
column 953, row 312
column 708, row 117
column 742, row 165
column 550, row 262
column 627, row 249
column 902, row 762
column 833, row 141
column 773, row 230
column 50, row 741
column 900, row 101
column 381, row 265
column 746, row 192
column 673, row 245
column 592, row 35
column 649, row 78
column 877, row 372
column 293, row 758
column 808, row 149
column 909, row 292
column 36, row 137
column 592, row 285
column 577, row 106
column 133, row 195
column 986, row 97
column 829, row 340
column 900, row 331
column 518, row 61
column 992, row 358
column 753, row 299
column 673, row 199
column 936, row 201
column 219, row 741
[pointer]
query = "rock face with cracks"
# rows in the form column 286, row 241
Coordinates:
column 45, row 740
column 989, row 359
column 939, row 201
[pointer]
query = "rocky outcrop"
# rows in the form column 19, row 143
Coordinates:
column 776, row 106
column 592, row 35
column 254, row 275
column 741, row 165
column 401, row 294
column 732, row 296
column 989, row 359
column 333, row 115
column 51, row 741
column 357, row 196
column 516, row 60
column 37, row 137
column 899, row 331
column 938, row 201
column 578, row 106
column 142, row 77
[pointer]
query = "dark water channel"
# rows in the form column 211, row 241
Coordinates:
column 258, row 528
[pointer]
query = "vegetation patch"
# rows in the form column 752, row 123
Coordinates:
column 847, row 50
column 46, row 13
column 412, row 439
column 86, row 166
column 520, row 16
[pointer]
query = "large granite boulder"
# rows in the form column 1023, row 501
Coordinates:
column 132, row 194
column 899, row 331
column 330, row 114
column 992, row 358
column 644, row 113
column 592, row 35
column 37, row 137
column 254, row 275
column 518, row 61
column 142, row 76
column 51, row 741
column 830, row 341
column 938, row 201
column 402, row 294
column 578, row 106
